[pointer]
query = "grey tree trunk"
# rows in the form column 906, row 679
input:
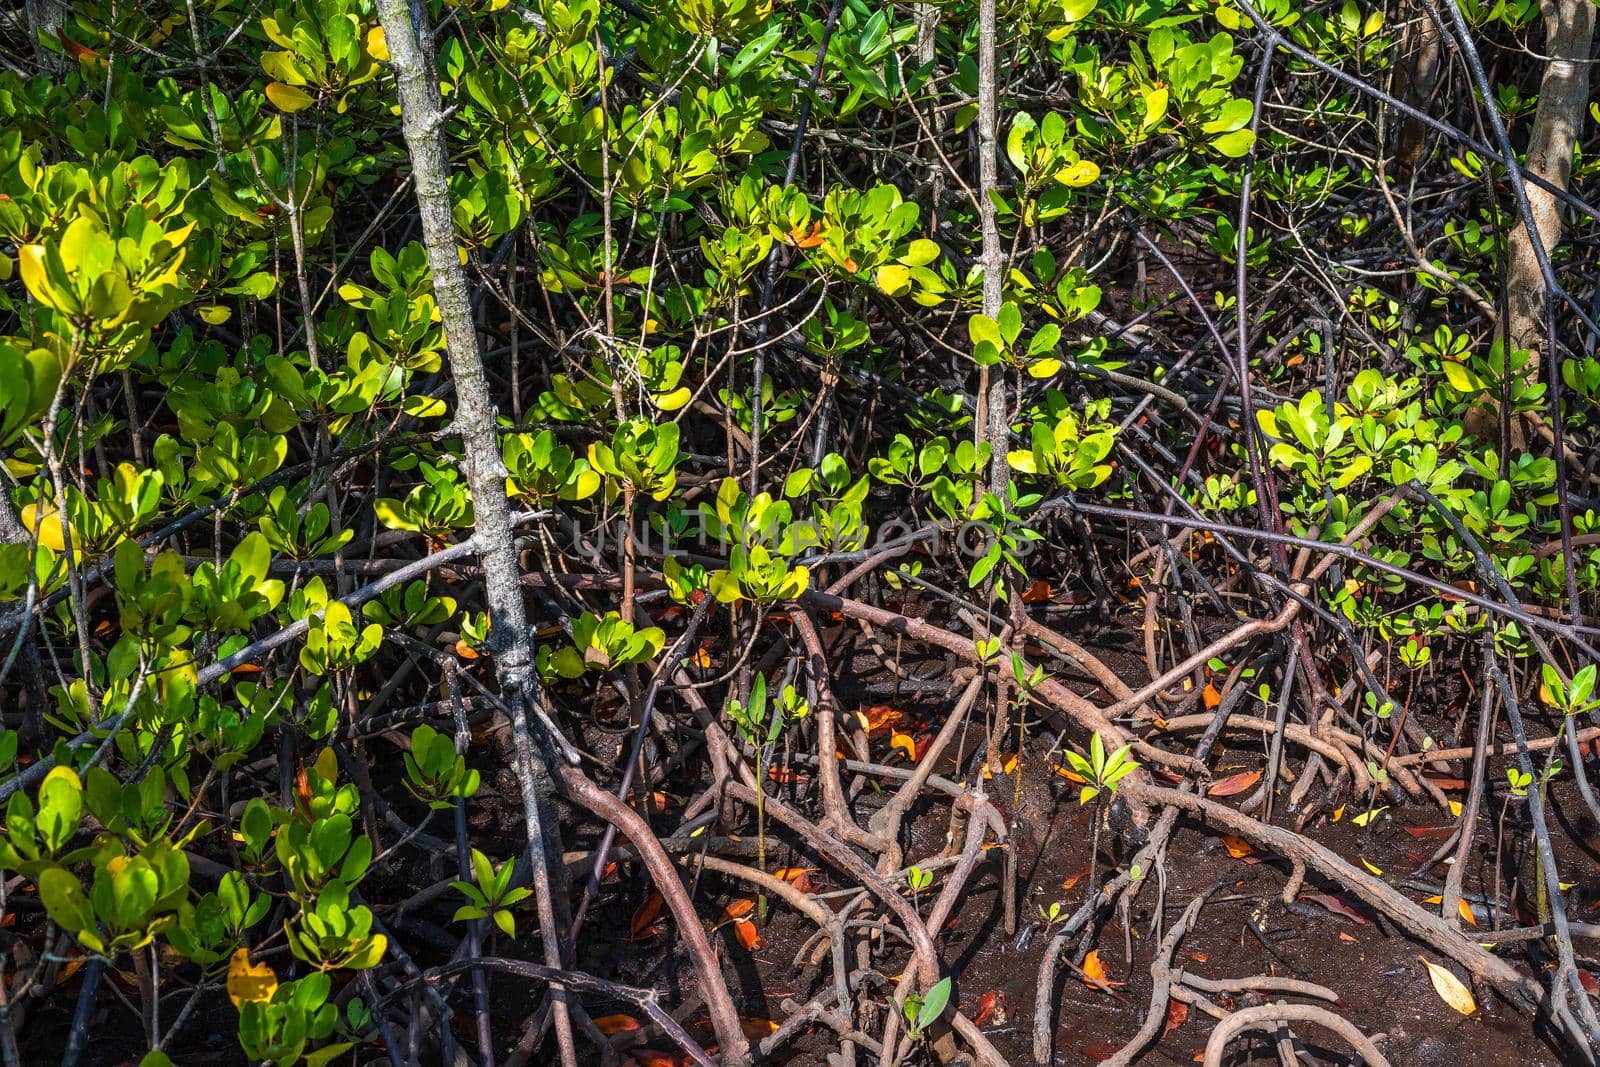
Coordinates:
column 995, row 416
column 510, row 640
column 44, row 19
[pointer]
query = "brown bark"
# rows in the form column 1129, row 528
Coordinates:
column 1563, row 98
column 1419, row 75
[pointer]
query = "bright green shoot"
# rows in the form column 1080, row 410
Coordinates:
column 1101, row 772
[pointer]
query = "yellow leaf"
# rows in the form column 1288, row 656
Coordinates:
column 378, row 44
column 1367, row 816
column 287, row 98
column 47, row 524
column 1371, row 868
column 1451, row 990
column 1455, row 808
column 1010, row 766
column 1466, row 913
column 249, row 983
column 215, row 314
column 905, row 743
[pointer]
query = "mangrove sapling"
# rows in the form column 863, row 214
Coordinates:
column 760, row 723
column 1100, row 774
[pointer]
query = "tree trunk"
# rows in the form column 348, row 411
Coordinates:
column 510, row 640
column 994, row 421
column 44, row 18
column 1563, row 98
column 1420, row 50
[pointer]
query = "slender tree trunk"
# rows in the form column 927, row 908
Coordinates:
column 510, row 640
column 927, row 51
column 994, row 420
column 1563, row 98
column 44, row 19
column 1420, row 52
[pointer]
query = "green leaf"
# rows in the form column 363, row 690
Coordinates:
column 933, row 1004
column 64, row 900
column 1235, row 144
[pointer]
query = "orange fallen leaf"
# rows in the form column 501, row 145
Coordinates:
column 1234, row 784
column 1210, row 697
column 738, row 909
column 466, row 651
column 1177, row 1015
column 1073, row 879
column 1346, row 937
column 1095, row 973
column 755, row 1029
column 645, row 915
column 649, row 1057
column 1070, row 775
column 701, row 657
column 991, row 1008
column 1038, row 592
column 748, row 935
column 786, row 775
column 659, row 801
column 878, row 717
column 1237, row 847
column 612, row 1025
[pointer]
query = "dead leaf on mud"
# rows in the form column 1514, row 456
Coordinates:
column 1451, row 989
column 1237, row 847
column 1234, row 784
column 645, row 915
column 1095, row 973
